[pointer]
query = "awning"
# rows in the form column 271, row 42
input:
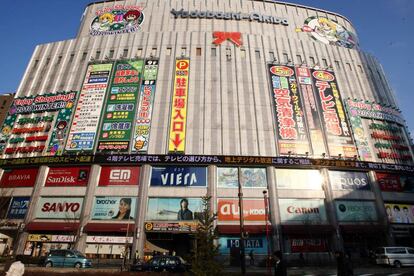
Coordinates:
column 235, row 229
column 52, row 226
column 362, row 228
column 307, row 229
column 109, row 227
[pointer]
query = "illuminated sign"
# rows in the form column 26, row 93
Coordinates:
column 178, row 114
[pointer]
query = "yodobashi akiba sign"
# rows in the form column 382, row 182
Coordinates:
column 59, row 207
column 18, row 178
column 179, row 176
column 68, row 176
column 119, row 176
column 302, row 211
column 254, row 16
column 341, row 180
column 253, row 210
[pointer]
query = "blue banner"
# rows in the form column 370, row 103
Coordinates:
column 256, row 244
column 179, row 176
column 18, row 208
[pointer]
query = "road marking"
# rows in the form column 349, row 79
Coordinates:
column 365, row 274
column 395, row 274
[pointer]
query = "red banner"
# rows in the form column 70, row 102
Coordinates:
column 389, row 182
column 68, row 176
column 18, row 178
column 119, row 176
column 253, row 210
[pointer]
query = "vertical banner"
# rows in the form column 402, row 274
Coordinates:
column 313, row 121
column 291, row 129
column 176, row 140
column 85, row 123
column 332, row 114
column 145, row 105
column 119, row 110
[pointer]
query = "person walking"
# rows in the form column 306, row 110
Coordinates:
column 343, row 264
column 280, row 266
column 251, row 257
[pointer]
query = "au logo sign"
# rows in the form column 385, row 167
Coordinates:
column 234, row 37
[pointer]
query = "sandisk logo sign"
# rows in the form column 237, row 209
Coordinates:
column 126, row 175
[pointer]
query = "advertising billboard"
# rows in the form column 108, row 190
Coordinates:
column 113, row 208
column 228, row 210
column 68, row 176
column 400, row 213
column 178, row 116
column 173, row 209
column 355, row 211
column 308, row 245
column 389, row 182
column 33, row 121
column 332, row 114
column 179, row 176
column 18, row 178
column 311, row 110
column 251, row 177
column 180, row 226
column 299, row 179
column 120, row 106
column 291, row 128
column 302, row 211
column 145, row 106
column 59, row 208
column 341, row 180
column 83, row 131
column 18, row 207
column 256, row 244
column 123, row 175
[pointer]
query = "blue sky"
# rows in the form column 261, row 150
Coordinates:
column 385, row 29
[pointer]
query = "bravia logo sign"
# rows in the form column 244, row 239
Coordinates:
column 120, row 174
column 234, row 37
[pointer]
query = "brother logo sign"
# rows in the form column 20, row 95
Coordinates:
column 120, row 174
column 230, row 16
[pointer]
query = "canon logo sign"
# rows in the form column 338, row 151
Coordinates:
column 120, row 174
column 302, row 210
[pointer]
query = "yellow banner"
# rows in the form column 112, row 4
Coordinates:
column 178, row 114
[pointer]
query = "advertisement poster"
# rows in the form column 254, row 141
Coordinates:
column 349, row 211
column 124, row 175
column 68, row 176
column 32, row 121
column 291, row 127
column 332, row 114
column 341, row 180
column 256, row 244
column 400, row 213
column 173, row 209
column 119, row 110
column 83, row 132
column 18, row 178
column 113, row 208
column 178, row 116
column 299, row 179
column 179, row 176
column 251, row 177
column 145, row 106
column 302, row 211
column 311, row 110
column 181, row 226
column 68, row 208
column 308, row 245
column 228, row 210
column 18, row 207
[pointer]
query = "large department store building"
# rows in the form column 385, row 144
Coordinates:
column 115, row 135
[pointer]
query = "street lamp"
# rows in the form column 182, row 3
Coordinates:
column 266, row 204
column 241, row 217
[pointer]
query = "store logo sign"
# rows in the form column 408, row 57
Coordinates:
column 120, row 174
column 234, row 37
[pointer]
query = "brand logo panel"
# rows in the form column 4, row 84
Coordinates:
column 124, row 175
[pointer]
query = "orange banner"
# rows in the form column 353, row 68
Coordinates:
column 253, row 210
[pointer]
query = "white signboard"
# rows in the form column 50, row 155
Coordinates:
column 298, row 179
column 108, row 239
column 302, row 211
column 59, row 207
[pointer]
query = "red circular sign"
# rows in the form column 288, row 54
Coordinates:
column 182, row 64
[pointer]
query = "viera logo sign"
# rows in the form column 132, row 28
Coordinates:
column 234, row 37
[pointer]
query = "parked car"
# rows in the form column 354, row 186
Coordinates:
column 395, row 256
column 66, row 258
column 161, row 263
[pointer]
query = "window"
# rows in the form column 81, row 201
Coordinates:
column 183, row 51
column 72, row 56
column 410, row 251
column 213, row 52
column 337, row 64
column 98, row 55
column 36, row 62
column 349, row 66
column 59, row 60
column 257, row 54
column 242, row 53
column 139, row 52
column 325, row 62
column 228, row 54
column 198, row 52
column 396, row 250
column 154, row 52
column 47, row 61
column 168, row 52
column 312, row 60
column 272, row 56
column 299, row 58
column 285, row 57
column 360, row 68
column 125, row 53
column 111, row 53
column 84, row 56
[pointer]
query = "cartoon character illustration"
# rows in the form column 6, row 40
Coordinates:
column 131, row 17
column 105, row 22
column 60, row 133
column 117, row 20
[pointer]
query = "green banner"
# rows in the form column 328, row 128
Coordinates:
column 119, row 110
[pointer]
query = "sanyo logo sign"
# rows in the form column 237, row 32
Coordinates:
column 120, row 174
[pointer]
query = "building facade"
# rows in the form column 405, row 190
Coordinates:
column 115, row 135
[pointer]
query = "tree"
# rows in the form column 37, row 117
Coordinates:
column 204, row 259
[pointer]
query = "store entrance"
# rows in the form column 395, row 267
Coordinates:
column 169, row 243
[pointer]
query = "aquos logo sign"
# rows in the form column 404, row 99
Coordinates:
column 323, row 76
column 281, row 71
column 125, row 175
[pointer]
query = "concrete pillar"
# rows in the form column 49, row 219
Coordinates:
column 277, row 241
column 212, row 191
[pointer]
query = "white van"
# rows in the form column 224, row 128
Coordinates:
column 395, row 256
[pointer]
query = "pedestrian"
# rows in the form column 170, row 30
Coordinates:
column 343, row 263
column 280, row 266
column 301, row 259
column 251, row 257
